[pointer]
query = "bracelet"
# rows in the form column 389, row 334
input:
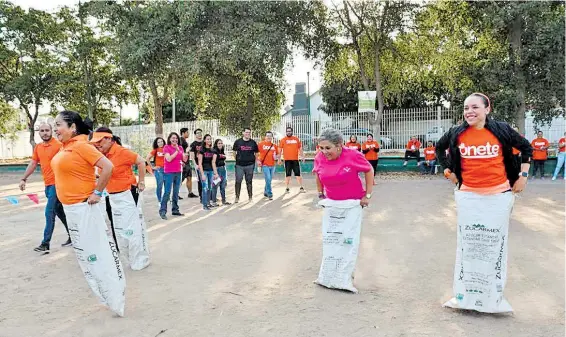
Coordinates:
column 24, row 179
column 97, row 193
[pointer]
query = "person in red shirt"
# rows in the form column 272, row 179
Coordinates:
column 370, row 148
column 540, row 154
column 158, row 156
column 42, row 155
column 412, row 150
column 429, row 165
column 560, row 157
column 266, row 160
column 482, row 165
column 353, row 144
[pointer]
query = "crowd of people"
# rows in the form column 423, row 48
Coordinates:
column 481, row 156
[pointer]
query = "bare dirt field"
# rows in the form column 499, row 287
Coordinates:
column 248, row 270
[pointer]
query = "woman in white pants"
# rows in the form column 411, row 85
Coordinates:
column 80, row 193
column 486, row 173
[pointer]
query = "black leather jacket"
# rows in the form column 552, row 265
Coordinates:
column 508, row 137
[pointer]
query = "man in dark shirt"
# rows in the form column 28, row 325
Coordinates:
column 245, row 150
column 187, row 170
column 194, row 149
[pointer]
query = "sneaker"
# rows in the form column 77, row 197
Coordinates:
column 226, row 203
column 250, row 198
column 68, row 243
column 270, row 197
column 177, row 213
column 180, row 198
column 163, row 216
column 302, row 190
column 287, row 190
column 237, row 200
column 206, row 208
column 553, row 178
column 43, row 248
column 405, row 164
column 214, row 204
column 192, row 195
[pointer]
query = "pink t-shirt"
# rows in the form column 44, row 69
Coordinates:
column 340, row 176
column 175, row 165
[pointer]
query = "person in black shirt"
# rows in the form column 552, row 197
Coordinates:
column 245, row 150
column 187, row 170
column 219, row 167
column 194, row 151
column 205, row 157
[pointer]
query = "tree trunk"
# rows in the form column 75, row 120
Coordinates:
column 249, row 111
column 31, row 124
column 515, row 35
column 158, row 108
column 375, row 122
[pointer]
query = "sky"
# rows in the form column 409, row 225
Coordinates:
column 295, row 72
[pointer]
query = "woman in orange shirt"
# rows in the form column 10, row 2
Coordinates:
column 158, row 156
column 483, row 167
column 370, row 148
column 353, row 143
column 80, row 193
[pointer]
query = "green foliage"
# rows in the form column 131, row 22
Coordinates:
column 9, row 123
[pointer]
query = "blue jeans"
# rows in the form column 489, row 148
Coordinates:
column 559, row 163
column 159, row 176
column 222, row 173
column 52, row 209
column 207, row 187
column 268, row 172
column 172, row 183
column 428, row 167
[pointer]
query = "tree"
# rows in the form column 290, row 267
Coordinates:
column 29, row 66
column 146, row 42
column 369, row 28
column 8, row 119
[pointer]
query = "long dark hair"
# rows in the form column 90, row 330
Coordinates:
column 107, row 130
column 204, row 140
column 84, row 127
column 215, row 147
column 171, row 135
column 155, row 146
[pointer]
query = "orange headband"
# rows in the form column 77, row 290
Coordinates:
column 483, row 95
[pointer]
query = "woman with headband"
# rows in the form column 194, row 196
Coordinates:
column 487, row 176
column 123, row 189
column 80, row 193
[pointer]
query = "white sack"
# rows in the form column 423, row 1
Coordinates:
column 481, row 252
column 129, row 227
column 97, row 254
column 341, row 227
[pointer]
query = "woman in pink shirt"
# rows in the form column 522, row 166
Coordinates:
column 172, row 168
column 336, row 169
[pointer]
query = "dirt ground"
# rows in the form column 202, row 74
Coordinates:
column 248, row 270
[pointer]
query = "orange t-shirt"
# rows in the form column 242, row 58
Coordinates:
column 482, row 159
column 158, row 156
column 267, row 155
column 290, row 147
column 562, row 141
column 371, row 155
column 123, row 176
column 354, row 146
column 538, row 152
column 73, row 167
column 430, row 153
column 43, row 153
column 516, row 152
column 413, row 145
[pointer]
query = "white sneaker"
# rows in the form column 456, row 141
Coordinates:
column 553, row 178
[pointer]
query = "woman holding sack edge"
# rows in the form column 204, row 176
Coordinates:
column 123, row 193
column 482, row 166
column 80, row 194
column 342, row 195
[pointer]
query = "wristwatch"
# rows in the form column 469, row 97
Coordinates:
column 97, row 193
column 368, row 195
column 524, row 174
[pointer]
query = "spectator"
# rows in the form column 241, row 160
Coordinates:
column 353, row 143
column 429, row 165
column 205, row 158
column 172, row 169
column 370, row 148
column 219, row 166
column 158, row 156
column 560, row 157
column 291, row 150
column 245, row 151
column 412, row 150
column 267, row 157
column 540, row 154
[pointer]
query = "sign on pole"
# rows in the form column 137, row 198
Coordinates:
column 366, row 101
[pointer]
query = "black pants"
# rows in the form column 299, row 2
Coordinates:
column 538, row 165
column 411, row 154
column 374, row 165
column 135, row 194
column 248, row 172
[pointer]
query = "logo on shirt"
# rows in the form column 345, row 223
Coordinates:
column 429, row 152
column 265, row 147
column 353, row 147
column 160, row 154
column 291, row 141
column 371, row 146
column 540, row 144
column 347, row 169
column 245, row 148
column 479, row 151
